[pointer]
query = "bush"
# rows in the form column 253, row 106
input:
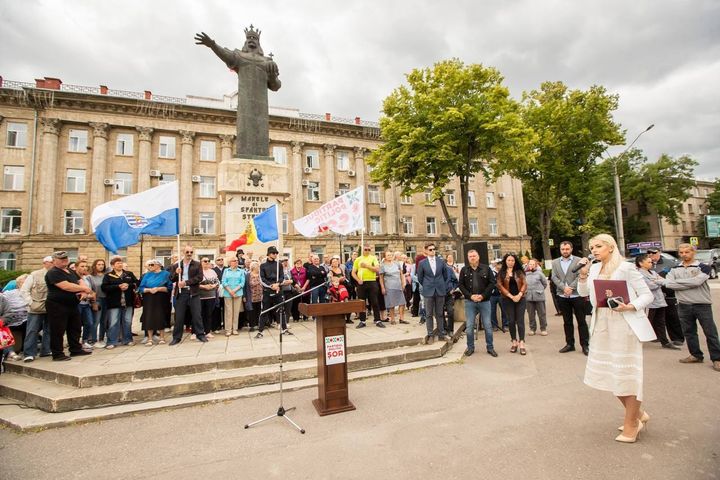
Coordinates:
column 7, row 275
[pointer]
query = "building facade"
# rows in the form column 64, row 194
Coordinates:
column 65, row 149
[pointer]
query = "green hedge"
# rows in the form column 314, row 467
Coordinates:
column 7, row 275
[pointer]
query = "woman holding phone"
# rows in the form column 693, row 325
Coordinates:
column 615, row 360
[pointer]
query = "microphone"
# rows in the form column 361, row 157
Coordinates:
column 582, row 265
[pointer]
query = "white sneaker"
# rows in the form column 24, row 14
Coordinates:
column 87, row 346
column 144, row 340
column 99, row 345
column 14, row 356
column 28, row 359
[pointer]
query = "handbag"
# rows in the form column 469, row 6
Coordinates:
column 6, row 337
column 137, row 301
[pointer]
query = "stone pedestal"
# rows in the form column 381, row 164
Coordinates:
column 248, row 186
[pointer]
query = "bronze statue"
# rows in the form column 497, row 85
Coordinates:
column 256, row 73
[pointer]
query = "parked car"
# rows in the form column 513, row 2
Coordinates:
column 712, row 258
column 669, row 261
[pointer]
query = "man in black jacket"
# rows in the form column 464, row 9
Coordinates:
column 188, row 276
column 476, row 284
column 271, row 277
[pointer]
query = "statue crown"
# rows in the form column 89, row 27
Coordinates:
column 251, row 32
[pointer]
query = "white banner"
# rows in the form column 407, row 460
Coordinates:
column 342, row 215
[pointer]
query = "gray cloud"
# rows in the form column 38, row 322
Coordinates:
column 661, row 57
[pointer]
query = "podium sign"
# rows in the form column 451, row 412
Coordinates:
column 332, row 354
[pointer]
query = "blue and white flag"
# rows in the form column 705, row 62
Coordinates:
column 120, row 223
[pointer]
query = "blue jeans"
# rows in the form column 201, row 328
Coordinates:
column 119, row 318
column 100, row 320
column 472, row 309
column 494, row 302
column 692, row 314
column 88, row 320
column 35, row 322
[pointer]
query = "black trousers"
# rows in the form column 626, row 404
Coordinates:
column 206, row 312
column 657, row 320
column 370, row 291
column 270, row 299
column 183, row 302
column 672, row 321
column 63, row 319
column 576, row 306
column 449, row 314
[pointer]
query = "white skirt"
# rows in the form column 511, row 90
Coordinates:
column 615, row 361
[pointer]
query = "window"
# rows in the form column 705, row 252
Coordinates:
column 284, row 223
column 373, row 194
column 75, row 182
column 77, row 142
column 690, row 208
column 167, row 147
column 406, row 199
column 407, row 225
column 490, row 199
column 675, row 228
column 313, row 191
column 10, row 220
column 207, row 150
column 375, row 225
column 7, row 261
column 207, row 222
column 471, row 199
column 453, row 222
column 312, row 159
column 164, row 255
column 495, row 251
column 492, row 226
column 684, row 226
column 430, row 226
column 280, row 154
column 343, row 188
column 411, row 251
column 343, row 160
column 207, row 187
column 166, row 178
column 13, row 177
column 124, row 145
column 16, row 134
column 74, row 222
column 318, row 250
column 428, row 197
column 473, row 225
column 380, row 249
column 123, row 183
column 450, row 198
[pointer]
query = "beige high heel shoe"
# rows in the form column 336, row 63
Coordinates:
column 624, row 439
column 644, row 419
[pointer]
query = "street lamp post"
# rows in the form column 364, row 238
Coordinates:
column 618, row 199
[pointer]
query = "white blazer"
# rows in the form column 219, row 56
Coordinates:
column 640, row 294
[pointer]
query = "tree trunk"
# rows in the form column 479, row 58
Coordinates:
column 545, row 222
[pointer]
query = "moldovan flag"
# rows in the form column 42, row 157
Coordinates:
column 342, row 215
column 264, row 227
column 120, row 223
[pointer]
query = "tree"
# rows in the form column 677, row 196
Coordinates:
column 713, row 199
column 573, row 128
column 451, row 120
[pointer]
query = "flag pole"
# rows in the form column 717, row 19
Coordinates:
column 178, row 247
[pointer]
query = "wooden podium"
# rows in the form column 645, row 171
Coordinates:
column 332, row 354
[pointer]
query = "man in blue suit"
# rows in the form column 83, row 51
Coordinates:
column 433, row 276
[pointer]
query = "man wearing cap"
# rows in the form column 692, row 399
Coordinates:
column 240, row 254
column 187, row 276
column 272, row 279
column 63, row 314
column 35, row 292
column 672, row 319
column 365, row 270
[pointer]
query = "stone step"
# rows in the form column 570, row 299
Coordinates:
column 77, row 374
column 29, row 419
column 52, row 396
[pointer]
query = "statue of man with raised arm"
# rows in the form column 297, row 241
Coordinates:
column 256, row 73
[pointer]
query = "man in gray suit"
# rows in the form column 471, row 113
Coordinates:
column 432, row 275
column 568, row 299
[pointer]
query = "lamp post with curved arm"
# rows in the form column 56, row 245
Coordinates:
column 618, row 199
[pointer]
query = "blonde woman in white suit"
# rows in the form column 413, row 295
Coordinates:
column 615, row 362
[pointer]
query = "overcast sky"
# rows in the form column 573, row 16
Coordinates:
column 661, row 57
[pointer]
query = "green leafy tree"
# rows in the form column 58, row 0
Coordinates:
column 450, row 121
column 713, row 199
column 573, row 128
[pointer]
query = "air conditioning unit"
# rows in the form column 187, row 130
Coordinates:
column 351, row 173
column 108, row 182
column 371, row 233
column 197, row 231
column 383, row 205
column 305, row 183
column 79, row 231
column 338, row 193
column 196, row 179
column 307, row 170
column 501, row 195
column 155, row 174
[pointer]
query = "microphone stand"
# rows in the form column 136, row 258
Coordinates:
column 282, row 411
